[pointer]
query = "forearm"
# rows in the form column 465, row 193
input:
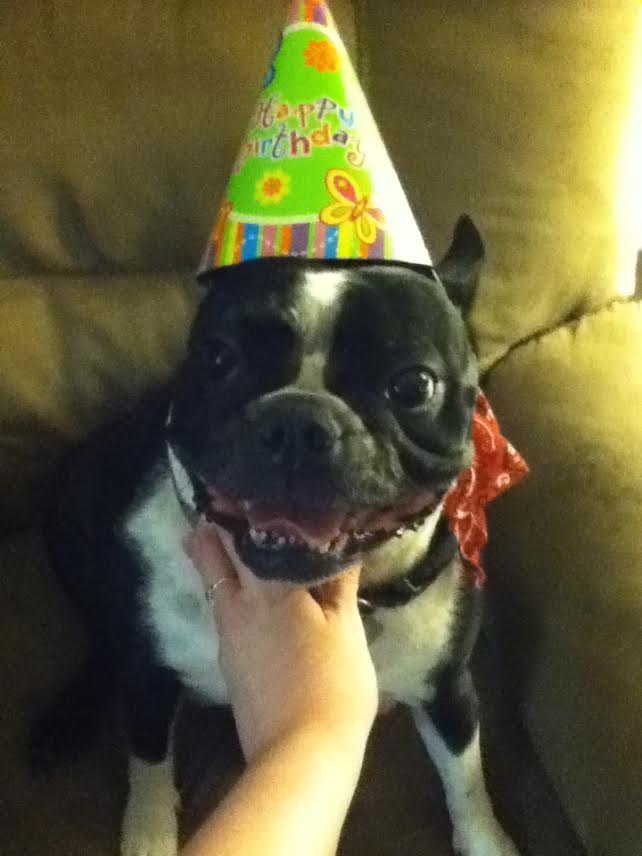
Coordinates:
column 292, row 800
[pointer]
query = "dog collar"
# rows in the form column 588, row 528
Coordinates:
column 443, row 549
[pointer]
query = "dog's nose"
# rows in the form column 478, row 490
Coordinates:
column 293, row 434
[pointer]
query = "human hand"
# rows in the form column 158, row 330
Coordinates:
column 292, row 660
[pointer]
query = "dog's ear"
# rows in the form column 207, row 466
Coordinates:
column 459, row 268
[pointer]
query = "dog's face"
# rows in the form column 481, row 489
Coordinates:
column 324, row 407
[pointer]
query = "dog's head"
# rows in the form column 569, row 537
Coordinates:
column 325, row 406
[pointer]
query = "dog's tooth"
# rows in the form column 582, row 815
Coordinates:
column 417, row 525
column 292, row 540
column 257, row 536
column 399, row 532
column 246, row 505
column 280, row 541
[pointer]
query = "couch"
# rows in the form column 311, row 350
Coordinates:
column 120, row 122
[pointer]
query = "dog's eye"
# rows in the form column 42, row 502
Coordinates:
column 222, row 358
column 412, row 387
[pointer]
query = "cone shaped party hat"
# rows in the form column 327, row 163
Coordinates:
column 313, row 177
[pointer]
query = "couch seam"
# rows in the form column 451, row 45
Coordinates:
column 570, row 323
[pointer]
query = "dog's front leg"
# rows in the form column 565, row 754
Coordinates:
column 150, row 826
column 449, row 727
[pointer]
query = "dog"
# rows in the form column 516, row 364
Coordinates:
column 321, row 414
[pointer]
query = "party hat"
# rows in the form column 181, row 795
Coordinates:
column 313, row 177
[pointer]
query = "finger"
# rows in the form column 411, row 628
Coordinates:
column 203, row 547
column 211, row 560
column 246, row 578
column 222, row 584
column 341, row 591
column 223, row 601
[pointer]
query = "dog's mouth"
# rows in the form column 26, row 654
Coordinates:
column 294, row 543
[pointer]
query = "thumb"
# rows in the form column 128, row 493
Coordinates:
column 341, row 591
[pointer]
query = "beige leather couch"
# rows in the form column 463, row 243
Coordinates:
column 120, row 121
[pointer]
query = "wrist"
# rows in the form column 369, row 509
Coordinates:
column 342, row 745
column 297, row 790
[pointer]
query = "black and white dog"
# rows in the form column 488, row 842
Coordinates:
column 321, row 414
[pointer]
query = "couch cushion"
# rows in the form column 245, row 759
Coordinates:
column 73, row 353
column 117, row 130
column 564, row 564
column 512, row 112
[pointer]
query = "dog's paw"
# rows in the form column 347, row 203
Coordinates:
column 482, row 836
column 149, row 829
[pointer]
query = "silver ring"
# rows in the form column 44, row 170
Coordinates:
column 211, row 589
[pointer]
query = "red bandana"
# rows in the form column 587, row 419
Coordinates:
column 496, row 467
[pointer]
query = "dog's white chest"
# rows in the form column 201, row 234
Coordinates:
column 410, row 641
column 174, row 596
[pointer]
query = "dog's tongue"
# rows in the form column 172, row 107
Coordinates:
column 316, row 528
